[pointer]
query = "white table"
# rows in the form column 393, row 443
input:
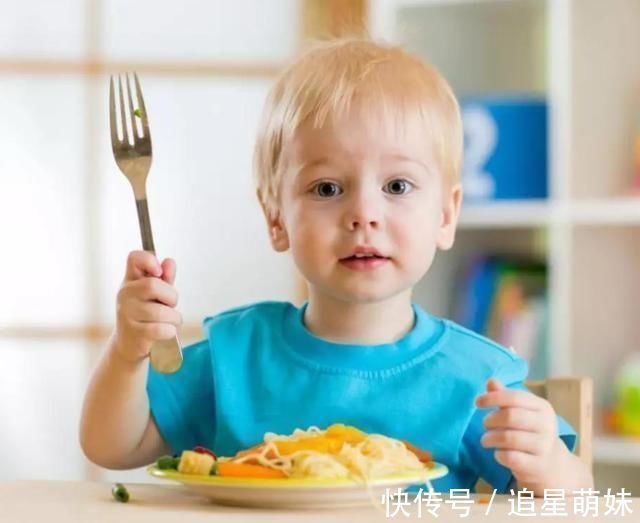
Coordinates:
column 89, row 502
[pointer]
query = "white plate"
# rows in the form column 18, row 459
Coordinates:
column 297, row 493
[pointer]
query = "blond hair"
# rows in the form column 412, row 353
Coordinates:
column 390, row 85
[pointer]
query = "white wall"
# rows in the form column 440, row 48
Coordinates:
column 68, row 214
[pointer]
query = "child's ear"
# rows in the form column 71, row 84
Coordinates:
column 277, row 232
column 450, row 213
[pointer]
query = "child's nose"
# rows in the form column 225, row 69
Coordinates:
column 362, row 223
column 363, row 213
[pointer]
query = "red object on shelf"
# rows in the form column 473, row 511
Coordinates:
column 611, row 420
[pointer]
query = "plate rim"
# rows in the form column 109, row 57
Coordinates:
column 439, row 470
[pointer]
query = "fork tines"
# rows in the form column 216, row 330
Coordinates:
column 127, row 111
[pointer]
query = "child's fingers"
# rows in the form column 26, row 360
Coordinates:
column 149, row 289
column 141, row 264
column 522, row 464
column 169, row 270
column 520, row 440
column 509, row 398
column 152, row 312
column 155, row 331
column 494, row 385
column 512, row 418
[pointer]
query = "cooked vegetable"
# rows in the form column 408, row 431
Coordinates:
column 205, row 450
column 317, row 443
column 195, row 463
column 345, row 433
column 423, row 455
column 168, row 463
column 120, row 493
column 138, row 112
column 245, row 470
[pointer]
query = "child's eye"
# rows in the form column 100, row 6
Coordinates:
column 326, row 189
column 398, row 186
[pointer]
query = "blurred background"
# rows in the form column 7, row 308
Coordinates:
column 548, row 250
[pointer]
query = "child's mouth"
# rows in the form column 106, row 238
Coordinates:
column 364, row 263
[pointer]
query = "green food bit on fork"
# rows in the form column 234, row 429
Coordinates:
column 138, row 112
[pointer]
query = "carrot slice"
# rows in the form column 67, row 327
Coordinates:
column 245, row 470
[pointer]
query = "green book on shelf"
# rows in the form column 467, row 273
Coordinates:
column 518, row 317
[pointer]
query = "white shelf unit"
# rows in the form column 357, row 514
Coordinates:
column 506, row 214
column 617, row 451
column 582, row 55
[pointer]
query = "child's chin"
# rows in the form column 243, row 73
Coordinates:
column 369, row 294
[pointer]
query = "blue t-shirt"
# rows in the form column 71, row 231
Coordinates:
column 261, row 370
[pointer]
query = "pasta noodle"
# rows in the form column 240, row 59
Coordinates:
column 337, row 452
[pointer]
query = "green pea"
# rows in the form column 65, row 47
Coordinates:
column 168, row 463
column 120, row 493
column 138, row 112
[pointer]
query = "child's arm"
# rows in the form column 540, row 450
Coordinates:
column 116, row 429
column 524, row 432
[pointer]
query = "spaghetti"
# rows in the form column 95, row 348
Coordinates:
column 338, row 452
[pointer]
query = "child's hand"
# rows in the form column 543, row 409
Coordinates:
column 524, row 432
column 145, row 305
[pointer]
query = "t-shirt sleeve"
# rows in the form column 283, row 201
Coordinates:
column 481, row 459
column 183, row 403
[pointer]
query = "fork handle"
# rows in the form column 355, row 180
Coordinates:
column 145, row 225
column 166, row 355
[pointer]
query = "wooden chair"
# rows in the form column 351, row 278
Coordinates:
column 572, row 398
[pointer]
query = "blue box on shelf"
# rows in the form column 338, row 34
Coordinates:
column 505, row 147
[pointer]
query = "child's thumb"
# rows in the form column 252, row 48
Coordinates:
column 169, row 270
column 494, row 385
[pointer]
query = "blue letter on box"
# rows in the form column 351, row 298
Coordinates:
column 505, row 148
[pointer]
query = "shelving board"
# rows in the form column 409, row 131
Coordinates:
column 616, row 450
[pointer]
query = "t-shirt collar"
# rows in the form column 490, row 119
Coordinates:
column 423, row 336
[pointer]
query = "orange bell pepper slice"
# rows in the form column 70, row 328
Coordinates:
column 423, row 455
column 246, row 470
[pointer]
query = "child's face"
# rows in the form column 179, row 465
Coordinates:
column 351, row 186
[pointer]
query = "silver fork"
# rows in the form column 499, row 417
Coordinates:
column 133, row 157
